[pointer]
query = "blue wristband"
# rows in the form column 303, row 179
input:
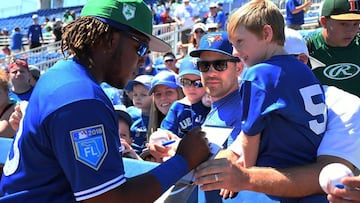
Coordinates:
column 169, row 172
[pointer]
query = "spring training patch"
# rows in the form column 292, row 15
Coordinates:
column 90, row 145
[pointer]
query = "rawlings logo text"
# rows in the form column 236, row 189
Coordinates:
column 341, row 71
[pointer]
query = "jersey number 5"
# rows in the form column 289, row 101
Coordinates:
column 314, row 109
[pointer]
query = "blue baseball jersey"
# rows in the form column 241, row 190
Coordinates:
column 221, row 18
column 283, row 100
column 25, row 96
column 226, row 112
column 293, row 19
column 35, row 33
column 67, row 147
column 138, row 132
column 183, row 117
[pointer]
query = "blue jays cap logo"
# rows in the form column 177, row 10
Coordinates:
column 214, row 38
column 90, row 145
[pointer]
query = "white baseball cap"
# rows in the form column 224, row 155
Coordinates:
column 295, row 43
column 213, row 5
column 199, row 26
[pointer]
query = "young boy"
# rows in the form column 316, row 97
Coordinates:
column 142, row 100
column 189, row 111
column 284, row 114
column 125, row 122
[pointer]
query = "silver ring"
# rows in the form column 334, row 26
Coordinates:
column 216, row 178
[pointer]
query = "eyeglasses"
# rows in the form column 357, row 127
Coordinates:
column 143, row 48
column 218, row 65
column 199, row 31
column 169, row 60
column 187, row 83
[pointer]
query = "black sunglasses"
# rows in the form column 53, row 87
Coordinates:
column 187, row 83
column 199, row 31
column 169, row 60
column 128, row 31
column 143, row 48
column 219, row 65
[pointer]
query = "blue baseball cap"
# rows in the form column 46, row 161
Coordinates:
column 125, row 116
column 167, row 78
column 142, row 80
column 188, row 66
column 216, row 42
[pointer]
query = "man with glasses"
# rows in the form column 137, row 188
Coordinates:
column 220, row 71
column 19, row 77
column 67, row 147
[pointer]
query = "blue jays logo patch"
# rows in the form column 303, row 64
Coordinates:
column 90, row 145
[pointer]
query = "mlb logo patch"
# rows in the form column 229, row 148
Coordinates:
column 90, row 145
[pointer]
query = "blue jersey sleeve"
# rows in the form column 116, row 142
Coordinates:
column 171, row 122
column 257, row 102
column 86, row 143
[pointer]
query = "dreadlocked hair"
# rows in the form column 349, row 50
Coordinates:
column 83, row 34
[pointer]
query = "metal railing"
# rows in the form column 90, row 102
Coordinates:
column 42, row 57
column 5, row 40
column 50, row 52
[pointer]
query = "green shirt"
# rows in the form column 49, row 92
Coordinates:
column 342, row 63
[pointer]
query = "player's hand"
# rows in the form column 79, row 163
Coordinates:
column 194, row 147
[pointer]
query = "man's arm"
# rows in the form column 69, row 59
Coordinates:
column 301, row 7
column 250, row 145
column 291, row 182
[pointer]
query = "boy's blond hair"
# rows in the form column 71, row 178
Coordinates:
column 254, row 15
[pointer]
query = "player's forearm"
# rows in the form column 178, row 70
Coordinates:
column 150, row 194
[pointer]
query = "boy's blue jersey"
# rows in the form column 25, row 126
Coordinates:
column 183, row 117
column 69, row 133
column 227, row 112
column 283, row 100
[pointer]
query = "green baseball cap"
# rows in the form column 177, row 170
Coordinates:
column 341, row 9
column 133, row 13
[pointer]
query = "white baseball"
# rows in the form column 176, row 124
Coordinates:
column 331, row 175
